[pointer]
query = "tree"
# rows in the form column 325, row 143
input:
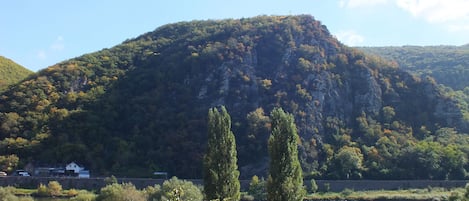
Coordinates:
column 350, row 159
column 120, row 192
column 220, row 162
column 257, row 188
column 174, row 189
column 285, row 180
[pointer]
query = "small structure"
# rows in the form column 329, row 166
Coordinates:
column 74, row 167
column 77, row 170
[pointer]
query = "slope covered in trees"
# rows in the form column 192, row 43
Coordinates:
column 11, row 72
column 449, row 65
column 141, row 106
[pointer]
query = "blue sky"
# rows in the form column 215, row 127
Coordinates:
column 37, row 34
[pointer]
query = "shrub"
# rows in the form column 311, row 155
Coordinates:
column 327, row 187
column 84, row 196
column 72, row 192
column 120, row 192
column 110, row 180
column 314, row 186
column 466, row 193
column 7, row 194
column 454, row 196
column 54, row 188
column 257, row 188
column 42, row 190
column 175, row 189
column 346, row 192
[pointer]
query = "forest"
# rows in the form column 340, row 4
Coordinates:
column 447, row 65
column 141, row 106
column 11, row 73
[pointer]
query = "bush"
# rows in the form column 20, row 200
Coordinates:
column 72, row 192
column 175, row 189
column 84, row 196
column 120, row 192
column 314, row 186
column 454, row 196
column 327, row 187
column 7, row 194
column 346, row 192
column 54, row 188
column 466, row 193
column 257, row 188
column 42, row 190
column 110, row 180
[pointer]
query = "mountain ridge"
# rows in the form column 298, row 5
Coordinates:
column 11, row 72
column 141, row 106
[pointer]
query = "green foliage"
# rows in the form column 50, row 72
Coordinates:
column 8, row 163
column 42, row 190
column 314, row 186
column 11, row 73
column 120, row 192
column 7, row 194
column 72, row 192
column 327, row 187
column 447, row 64
column 454, row 196
column 257, row 188
column 285, row 180
column 346, row 192
column 84, row 196
column 54, row 188
column 145, row 101
column 174, row 189
column 110, row 180
column 349, row 161
column 220, row 162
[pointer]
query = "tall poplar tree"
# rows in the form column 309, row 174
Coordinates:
column 285, row 180
column 221, row 175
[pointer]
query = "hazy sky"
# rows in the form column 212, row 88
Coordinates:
column 40, row 33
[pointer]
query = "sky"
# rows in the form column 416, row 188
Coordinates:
column 37, row 34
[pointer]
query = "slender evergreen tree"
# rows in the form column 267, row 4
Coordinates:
column 285, row 180
column 221, row 175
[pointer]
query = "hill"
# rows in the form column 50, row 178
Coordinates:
column 141, row 106
column 11, row 72
column 449, row 65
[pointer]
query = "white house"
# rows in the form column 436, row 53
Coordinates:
column 74, row 167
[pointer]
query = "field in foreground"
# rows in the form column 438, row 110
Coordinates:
column 409, row 194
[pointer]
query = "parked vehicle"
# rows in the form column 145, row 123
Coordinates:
column 22, row 173
column 3, row 174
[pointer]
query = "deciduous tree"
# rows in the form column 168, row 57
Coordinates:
column 220, row 162
column 285, row 180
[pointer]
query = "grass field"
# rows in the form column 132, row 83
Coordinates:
column 412, row 194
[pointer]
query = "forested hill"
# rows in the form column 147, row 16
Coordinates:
column 449, row 65
column 141, row 106
column 11, row 72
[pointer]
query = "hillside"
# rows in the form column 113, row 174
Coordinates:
column 11, row 72
column 449, row 65
column 141, row 106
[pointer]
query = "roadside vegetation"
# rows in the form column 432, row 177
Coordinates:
column 177, row 189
